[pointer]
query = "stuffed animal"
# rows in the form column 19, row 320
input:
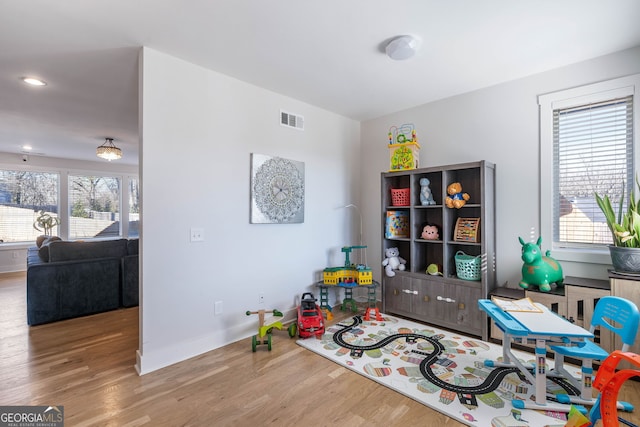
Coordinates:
column 456, row 198
column 430, row 232
column 393, row 261
column 426, row 197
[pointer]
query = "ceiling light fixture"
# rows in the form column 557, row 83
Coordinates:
column 108, row 151
column 34, row 82
column 402, row 47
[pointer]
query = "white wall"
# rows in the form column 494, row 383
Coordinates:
column 499, row 124
column 198, row 130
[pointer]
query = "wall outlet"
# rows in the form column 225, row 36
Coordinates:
column 260, row 298
column 197, row 234
column 217, row 308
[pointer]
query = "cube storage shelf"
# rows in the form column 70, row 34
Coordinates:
column 447, row 301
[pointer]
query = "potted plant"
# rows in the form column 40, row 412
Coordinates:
column 625, row 231
column 45, row 223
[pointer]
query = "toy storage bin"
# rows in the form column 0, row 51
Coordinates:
column 400, row 196
column 468, row 266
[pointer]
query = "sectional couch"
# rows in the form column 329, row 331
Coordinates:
column 72, row 279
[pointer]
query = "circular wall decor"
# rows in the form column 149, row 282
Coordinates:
column 277, row 190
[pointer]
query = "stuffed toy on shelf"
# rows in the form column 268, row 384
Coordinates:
column 455, row 197
column 393, row 261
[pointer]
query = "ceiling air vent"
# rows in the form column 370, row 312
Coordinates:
column 291, row 120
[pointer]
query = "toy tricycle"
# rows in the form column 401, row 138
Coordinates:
column 263, row 329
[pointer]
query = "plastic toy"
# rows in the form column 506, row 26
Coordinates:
column 538, row 269
column 426, row 197
column 434, row 270
column 310, row 321
column 393, row 261
column 430, row 232
column 456, row 198
column 265, row 330
column 349, row 274
column 404, row 150
column 609, row 381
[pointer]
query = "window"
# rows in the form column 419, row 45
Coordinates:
column 134, row 208
column 587, row 146
column 23, row 194
column 592, row 152
column 94, row 206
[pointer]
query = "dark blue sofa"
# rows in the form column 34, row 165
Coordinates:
column 72, row 279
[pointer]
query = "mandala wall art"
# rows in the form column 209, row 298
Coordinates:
column 277, row 190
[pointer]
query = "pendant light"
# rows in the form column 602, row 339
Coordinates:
column 108, row 151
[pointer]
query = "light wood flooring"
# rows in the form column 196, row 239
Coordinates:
column 87, row 366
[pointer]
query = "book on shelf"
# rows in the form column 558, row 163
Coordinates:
column 397, row 225
column 522, row 304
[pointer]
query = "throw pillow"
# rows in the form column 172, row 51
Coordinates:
column 43, row 252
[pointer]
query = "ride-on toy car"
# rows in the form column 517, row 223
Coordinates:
column 310, row 320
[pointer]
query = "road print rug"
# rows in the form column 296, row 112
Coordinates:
column 441, row 369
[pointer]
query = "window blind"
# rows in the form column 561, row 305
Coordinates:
column 592, row 153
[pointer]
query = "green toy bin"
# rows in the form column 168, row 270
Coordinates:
column 467, row 266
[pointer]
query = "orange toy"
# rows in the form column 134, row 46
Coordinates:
column 608, row 381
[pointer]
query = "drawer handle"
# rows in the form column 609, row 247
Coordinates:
column 409, row 291
column 447, row 299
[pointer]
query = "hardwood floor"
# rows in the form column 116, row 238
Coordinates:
column 87, row 366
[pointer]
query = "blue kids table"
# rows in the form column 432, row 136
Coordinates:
column 540, row 327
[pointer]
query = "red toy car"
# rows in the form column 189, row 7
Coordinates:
column 310, row 320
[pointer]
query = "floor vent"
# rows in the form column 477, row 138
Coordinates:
column 291, row 120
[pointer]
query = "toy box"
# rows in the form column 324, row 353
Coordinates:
column 397, row 225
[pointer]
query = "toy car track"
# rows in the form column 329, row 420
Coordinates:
column 491, row 382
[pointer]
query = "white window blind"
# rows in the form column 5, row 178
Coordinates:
column 592, row 152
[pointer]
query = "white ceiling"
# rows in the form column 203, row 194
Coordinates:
column 327, row 53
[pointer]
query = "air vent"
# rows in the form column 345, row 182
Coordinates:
column 291, row 120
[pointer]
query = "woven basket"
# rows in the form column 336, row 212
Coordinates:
column 468, row 267
column 400, row 197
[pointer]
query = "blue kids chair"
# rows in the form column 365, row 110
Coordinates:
column 616, row 314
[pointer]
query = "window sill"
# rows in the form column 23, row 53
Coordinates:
column 589, row 256
column 13, row 246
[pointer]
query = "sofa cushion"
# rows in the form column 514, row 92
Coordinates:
column 67, row 251
column 132, row 247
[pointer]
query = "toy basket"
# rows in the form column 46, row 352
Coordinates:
column 468, row 266
column 400, row 197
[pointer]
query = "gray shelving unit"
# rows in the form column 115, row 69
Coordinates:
column 447, row 301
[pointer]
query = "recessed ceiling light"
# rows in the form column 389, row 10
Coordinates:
column 33, row 82
column 27, row 147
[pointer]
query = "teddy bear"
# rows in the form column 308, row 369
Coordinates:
column 430, row 232
column 426, row 197
column 393, row 261
column 456, row 198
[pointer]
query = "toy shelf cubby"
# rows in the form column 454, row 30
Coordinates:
column 444, row 300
